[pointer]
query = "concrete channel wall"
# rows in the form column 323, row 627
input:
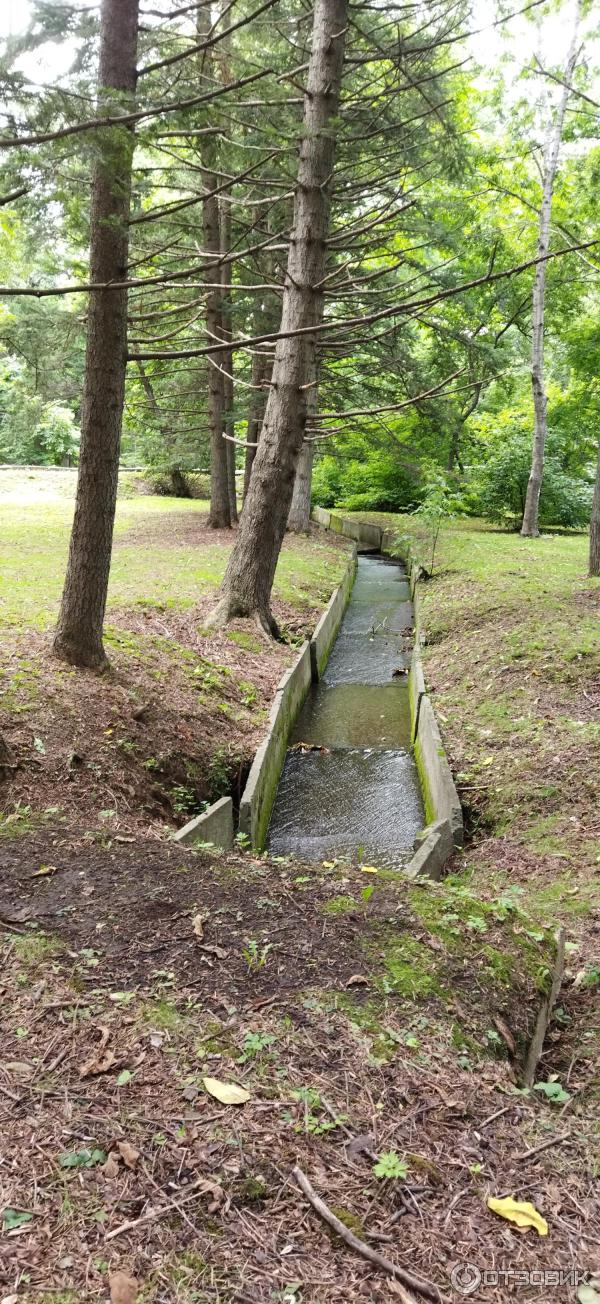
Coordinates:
column 444, row 828
column 215, row 825
column 292, row 691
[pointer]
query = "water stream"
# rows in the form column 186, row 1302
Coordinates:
column 354, row 791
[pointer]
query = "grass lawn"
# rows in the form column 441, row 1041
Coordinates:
column 176, row 721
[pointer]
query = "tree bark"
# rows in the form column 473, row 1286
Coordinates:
column 595, row 524
column 529, row 527
column 220, row 515
column 228, row 383
column 78, row 637
column 262, row 370
column 299, row 513
column 246, row 588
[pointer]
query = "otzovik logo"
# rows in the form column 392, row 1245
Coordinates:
column 465, row 1278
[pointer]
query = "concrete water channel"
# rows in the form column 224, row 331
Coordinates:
column 349, row 787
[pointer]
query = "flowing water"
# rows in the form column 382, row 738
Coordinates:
column 354, row 792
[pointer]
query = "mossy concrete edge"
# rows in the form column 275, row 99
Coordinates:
column 326, row 630
column 263, row 780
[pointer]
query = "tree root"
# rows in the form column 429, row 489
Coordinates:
column 227, row 609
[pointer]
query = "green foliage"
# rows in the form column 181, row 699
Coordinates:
column 440, row 503
column 564, row 500
column 12, row 1218
column 377, row 481
column 390, row 1164
column 32, row 431
column 82, row 1158
column 553, row 1092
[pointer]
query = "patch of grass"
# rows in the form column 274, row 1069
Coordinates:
column 168, row 574
column 245, row 641
column 33, row 949
column 340, row 905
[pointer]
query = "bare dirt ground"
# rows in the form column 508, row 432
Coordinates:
column 134, row 973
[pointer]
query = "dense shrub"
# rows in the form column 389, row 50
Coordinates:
column 172, row 482
column 379, row 482
column 564, row 500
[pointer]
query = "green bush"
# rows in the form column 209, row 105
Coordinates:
column 173, row 482
column 564, row 500
column 379, row 482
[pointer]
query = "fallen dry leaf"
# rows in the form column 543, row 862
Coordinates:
column 97, row 1064
column 520, row 1212
column 357, row 980
column 44, row 871
column 102, row 1060
column 363, row 1144
column 219, row 951
column 505, row 1033
column 128, row 1154
column 198, row 923
column 123, row 1288
column 227, row 1092
column 110, row 1169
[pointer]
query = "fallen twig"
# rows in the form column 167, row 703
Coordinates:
column 544, row 1145
column 157, row 1213
column 426, row 1288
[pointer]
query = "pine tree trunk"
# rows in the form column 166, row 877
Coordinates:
column 228, row 390
column 530, row 528
column 78, row 636
column 219, row 516
column 299, row 513
column 246, row 588
column 262, row 370
column 595, row 524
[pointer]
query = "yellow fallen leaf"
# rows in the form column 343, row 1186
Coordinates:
column 369, row 869
column 520, row 1212
column 227, row 1092
column 44, row 870
column 329, row 864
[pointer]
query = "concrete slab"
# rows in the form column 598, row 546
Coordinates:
column 215, row 825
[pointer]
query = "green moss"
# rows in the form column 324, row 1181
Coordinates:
column 349, row 1219
column 33, row 949
column 409, row 965
column 340, row 905
column 253, row 1190
column 428, row 802
column 162, row 1015
column 245, row 641
column 500, row 965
